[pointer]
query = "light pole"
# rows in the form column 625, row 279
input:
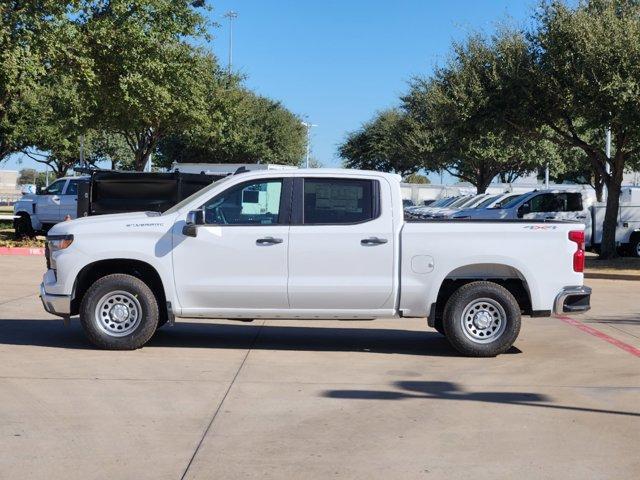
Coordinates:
column 308, row 126
column 231, row 15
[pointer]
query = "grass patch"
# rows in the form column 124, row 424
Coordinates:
column 8, row 238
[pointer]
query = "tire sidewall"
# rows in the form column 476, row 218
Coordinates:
column 149, row 314
column 455, row 308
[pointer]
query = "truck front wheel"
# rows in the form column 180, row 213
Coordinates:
column 119, row 312
column 22, row 226
column 482, row 319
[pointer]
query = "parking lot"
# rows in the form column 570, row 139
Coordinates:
column 318, row 399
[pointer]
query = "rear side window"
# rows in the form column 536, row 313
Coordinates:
column 331, row 201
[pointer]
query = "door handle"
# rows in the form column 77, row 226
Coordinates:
column 549, row 218
column 581, row 216
column 367, row 242
column 268, row 241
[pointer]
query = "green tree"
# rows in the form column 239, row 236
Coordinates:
column 150, row 82
column 31, row 35
column 241, row 127
column 574, row 75
column 416, row 178
column 475, row 150
column 388, row 143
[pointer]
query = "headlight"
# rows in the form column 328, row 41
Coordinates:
column 55, row 243
column 59, row 242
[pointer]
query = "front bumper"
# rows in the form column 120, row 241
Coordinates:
column 573, row 300
column 59, row 305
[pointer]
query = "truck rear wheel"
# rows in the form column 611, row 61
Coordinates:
column 119, row 312
column 482, row 319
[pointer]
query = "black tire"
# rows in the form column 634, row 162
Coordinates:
column 96, row 313
column 493, row 305
column 634, row 247
column 22, row 226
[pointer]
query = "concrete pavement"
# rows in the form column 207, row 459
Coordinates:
column 309, row 399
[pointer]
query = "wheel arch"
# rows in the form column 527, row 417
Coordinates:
column 502, row 274
column 98, row 269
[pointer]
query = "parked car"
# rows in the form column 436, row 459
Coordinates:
column 407, row 203
column 539, row 205
column 40, row 211
column 470, row 202
column 310, row 244
column 569, row 205
column 497, row 201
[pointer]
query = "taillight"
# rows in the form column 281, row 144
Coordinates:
column 577, row 236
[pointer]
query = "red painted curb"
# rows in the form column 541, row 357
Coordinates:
column 601, row 335
column 21, row 251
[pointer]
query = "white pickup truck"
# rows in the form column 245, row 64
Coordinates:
column 310, row 244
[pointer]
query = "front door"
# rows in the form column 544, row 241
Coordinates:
column 48, row 203
column 69, row 201
column 238, row 260
column 341, row 246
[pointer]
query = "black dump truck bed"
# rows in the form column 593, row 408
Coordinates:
column 109, row 191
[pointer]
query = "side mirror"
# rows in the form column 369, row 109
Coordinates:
column 194, row 218
column 524, row 209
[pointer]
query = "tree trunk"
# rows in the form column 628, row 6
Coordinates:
column 614, row 186
column 141, row 159
column 483, row 180
column 598, row 185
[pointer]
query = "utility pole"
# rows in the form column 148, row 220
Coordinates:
column 231, row 15
column 607, row 152
column 308, row 126
column 546, row 176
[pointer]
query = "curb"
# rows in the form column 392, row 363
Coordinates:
column 612, row 276
column 23, row 251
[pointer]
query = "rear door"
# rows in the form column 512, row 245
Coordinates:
column 341, row 245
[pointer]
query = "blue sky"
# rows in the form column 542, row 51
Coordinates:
column 338, row 62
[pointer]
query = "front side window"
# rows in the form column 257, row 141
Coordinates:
column 55, row 188
column 252, row 203
column 338, row 201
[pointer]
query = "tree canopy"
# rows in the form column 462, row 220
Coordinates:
column 127, row 76
column 520, row 99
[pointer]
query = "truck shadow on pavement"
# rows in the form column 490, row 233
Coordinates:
column 52, row 333
column 428, row 390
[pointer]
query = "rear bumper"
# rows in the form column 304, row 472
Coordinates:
column 59, row 305
column 573, row 300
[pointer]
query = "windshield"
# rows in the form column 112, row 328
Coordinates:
column 187, row 200
column 459, row 202
column 472, row 201
column 487, row 201
column 441, row 202
column 508, row 202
